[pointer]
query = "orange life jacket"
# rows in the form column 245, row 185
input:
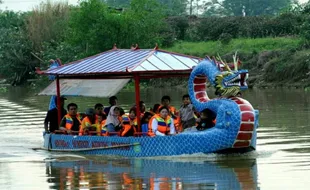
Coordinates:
column 150, row 130
column 128, row 124
column 85, row 123
column 69, row 121
column 103, row 128
column 104, row 116
column 171, row 109
column 163, row 126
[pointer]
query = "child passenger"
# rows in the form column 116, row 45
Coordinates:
column 187, row 115
column 207, row 120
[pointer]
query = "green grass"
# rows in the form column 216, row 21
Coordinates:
column 212, row 48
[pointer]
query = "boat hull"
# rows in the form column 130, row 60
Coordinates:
column 209, row 141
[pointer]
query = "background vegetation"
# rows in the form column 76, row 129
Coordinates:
column 271, row 38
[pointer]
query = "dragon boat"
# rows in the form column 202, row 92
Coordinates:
column 236, row 119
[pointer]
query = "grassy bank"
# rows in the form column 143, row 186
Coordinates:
column 271, row 61
column 210, row 48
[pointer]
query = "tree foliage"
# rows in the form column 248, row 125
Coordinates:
column 96, row 28
column 170, row 7
column 15, row 48
column 60, row 31
column 246, row 7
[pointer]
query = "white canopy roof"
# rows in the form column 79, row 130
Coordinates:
column 86, row 87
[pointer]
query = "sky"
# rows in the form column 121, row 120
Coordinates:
column 26, row 5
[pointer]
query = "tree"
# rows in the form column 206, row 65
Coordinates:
column 147, row 22
column 117, row 3
column 170, row 7
column 15, row 48
column 246, row 7
column 174, row 7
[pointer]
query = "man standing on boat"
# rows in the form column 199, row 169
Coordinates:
column 72, row 121
column 112, row 102
column 51, row 119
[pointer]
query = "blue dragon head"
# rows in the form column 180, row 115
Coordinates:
column 230, row 82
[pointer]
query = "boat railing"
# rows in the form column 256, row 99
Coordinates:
column 140, row 134
column 95, row 133
column 65, row 132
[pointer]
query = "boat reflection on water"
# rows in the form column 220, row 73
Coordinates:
column 131, row 174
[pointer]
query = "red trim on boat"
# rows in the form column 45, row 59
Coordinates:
column 244, row 136
column 248, row 116
column 241, row 144
column 247, row 127
column 200, row 87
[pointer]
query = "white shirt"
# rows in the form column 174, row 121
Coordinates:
column 155, row 126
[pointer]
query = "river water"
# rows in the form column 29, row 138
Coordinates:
column 281, row 161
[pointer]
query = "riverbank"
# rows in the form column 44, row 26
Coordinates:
column 272, row 62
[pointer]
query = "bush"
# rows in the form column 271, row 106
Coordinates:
column 225, row 38
column 211, row 28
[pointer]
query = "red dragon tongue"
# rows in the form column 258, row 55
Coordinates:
column 242, row 79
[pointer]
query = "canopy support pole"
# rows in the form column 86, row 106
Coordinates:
column 137, row 93
column 58, row 100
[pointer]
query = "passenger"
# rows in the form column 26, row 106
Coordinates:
column 121, row 112
column 112, row 102
column 72, row 121
column 155, row 108
column 101, row 125
column 114, row 119
column 142, row 108
column 51, row 119
column 165, row 101
column 145, row 122
column 162, row 124
column 88, row 123
column 99, row 110
column 207, row 120
column 146, row 117
column 187, row 114
column 129, row 123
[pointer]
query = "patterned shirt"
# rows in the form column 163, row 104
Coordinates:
column 186, row 112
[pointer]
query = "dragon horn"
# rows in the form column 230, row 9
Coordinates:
column 235, row 61
column 225, row 64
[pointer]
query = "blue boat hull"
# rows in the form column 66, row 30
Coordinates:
column 209, row 141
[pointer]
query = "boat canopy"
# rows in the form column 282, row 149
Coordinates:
column 86, row 87
column 124, row 63
column 89, row 76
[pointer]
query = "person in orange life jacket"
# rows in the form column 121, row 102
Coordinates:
column 186, row 113
column 114, row 119
column 71, row 121
column 101, row 124
column 165, row 101
column 142, row 108
column 207, row 120
column 88, row 123
column 155, row 108
column 162, row 124
column 99, row 110
column 112, row 102
column 51, row 119
column 129, row 123
column 145, row 122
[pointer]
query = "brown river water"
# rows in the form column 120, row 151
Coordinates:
column 281, row 161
